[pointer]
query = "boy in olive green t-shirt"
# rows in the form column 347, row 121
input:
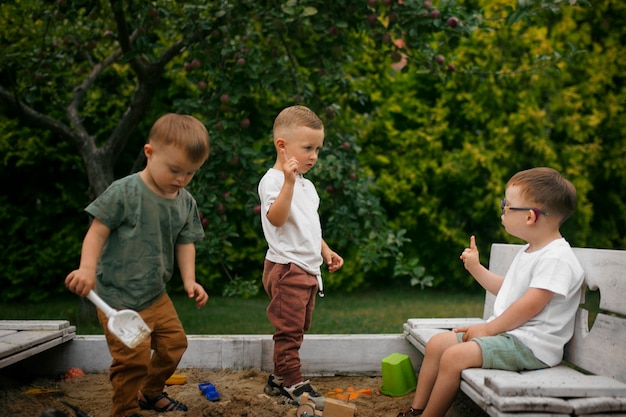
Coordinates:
column 142, row 225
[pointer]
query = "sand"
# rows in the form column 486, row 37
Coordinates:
column 241, row 395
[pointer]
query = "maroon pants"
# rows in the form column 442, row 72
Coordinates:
column 292, row 294
column 147, row 367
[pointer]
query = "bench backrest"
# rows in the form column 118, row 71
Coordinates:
column 600, row 350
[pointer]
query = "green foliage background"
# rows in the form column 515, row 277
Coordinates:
column 415, row 160
column 525, row 95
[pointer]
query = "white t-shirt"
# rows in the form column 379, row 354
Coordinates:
column 299, row 240
column 553, row 268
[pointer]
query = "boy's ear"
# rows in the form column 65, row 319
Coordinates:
column 280, row 143
column 148, row 150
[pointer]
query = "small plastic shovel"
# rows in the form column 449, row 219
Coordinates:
column 127, row 325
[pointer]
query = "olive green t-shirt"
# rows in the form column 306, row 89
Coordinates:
column 138, row 258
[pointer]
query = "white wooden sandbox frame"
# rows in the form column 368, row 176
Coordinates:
column 321, row 355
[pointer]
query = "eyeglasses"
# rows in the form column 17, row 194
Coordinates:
column 504, row 208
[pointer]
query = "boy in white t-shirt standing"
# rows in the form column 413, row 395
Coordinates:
column 535, row 304
column 291, row 225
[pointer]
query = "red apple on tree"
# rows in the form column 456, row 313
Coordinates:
column 452, row 22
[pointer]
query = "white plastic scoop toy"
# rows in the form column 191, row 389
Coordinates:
column 127, row 325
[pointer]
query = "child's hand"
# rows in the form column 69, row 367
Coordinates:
column 470, row 256
column 333, row 260
column 471, row 332
column 197, row 291
column 290, row 166
column 81, row 281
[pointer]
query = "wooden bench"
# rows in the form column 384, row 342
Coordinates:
column 20, row 339
column 591, row 380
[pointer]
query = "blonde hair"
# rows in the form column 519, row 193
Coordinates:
column 294, row 117
column 547, row 188
column 182, row 131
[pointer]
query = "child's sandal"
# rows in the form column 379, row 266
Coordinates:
column 410, row 412
column 172, row 405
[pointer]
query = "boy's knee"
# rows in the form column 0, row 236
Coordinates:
column 440, row 342
column 181, row 341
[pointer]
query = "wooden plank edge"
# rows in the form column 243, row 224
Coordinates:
column 27, row 339
column 30, row 352
column 34, row 324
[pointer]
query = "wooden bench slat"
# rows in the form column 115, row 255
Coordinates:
column 598, row 405
column 473, row 395
column 26, row 353
column 18, row 341
column 547, row 385
column 443, row 323
column 494, row 412
column 603, row 349
column 420, row 347
column 33, row 324
column 475, row 377
column 527, row 403
column 605, row 269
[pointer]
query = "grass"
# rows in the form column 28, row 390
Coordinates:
column 363, row 312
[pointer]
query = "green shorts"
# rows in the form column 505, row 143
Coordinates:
column 505, row 351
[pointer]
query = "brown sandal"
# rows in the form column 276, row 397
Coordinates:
column 408, row 412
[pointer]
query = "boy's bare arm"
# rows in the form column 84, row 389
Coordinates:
column 332, row 259
column 487, row 279
column 186, row 258
column 520, row 312
column 278, row 212
column 83, row 279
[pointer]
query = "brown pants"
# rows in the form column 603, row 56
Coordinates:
column 292, row 294
column 140, row 369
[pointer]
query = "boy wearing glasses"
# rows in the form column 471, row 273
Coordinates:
column 536, row 301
